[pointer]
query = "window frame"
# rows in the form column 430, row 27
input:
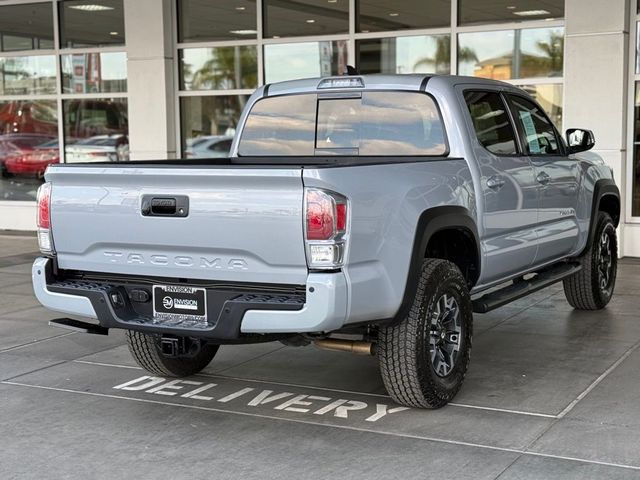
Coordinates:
column 516, row 137
column 507, row 95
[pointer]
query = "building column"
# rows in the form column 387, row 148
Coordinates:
column 596, row 74
column 151, row 86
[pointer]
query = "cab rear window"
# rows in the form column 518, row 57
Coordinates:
column 369, row 124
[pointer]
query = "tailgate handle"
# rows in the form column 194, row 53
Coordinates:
column 163, row 206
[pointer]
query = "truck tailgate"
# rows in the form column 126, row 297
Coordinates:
column 244, row 224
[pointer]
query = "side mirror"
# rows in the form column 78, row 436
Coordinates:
column 580, row 140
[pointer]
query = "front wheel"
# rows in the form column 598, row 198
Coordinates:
column 424, row 358
column 146, row 350
column 592, row 287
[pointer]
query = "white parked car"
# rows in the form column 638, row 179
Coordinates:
column 101, row 148
column 214, row 146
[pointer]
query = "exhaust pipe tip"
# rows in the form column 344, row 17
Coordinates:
column 350, row 346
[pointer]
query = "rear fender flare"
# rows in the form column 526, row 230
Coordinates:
column 429, row 223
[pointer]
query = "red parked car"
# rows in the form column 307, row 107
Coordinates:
column 33, row 161
column 19, row 144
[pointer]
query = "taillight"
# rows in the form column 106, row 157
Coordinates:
column 326, row 220
column 44, row 219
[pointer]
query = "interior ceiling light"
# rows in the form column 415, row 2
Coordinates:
column 240, row 9
column 531, row 13
column 113, row 33
column 332, row 1
column 311, row 20
column 243, row 32
column 394, row 14
column 91, row 8
column 511, row 7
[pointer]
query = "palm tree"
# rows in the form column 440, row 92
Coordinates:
column 441, row 61
column 228, row 68
column 554, row 51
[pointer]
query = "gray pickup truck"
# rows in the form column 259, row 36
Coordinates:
column 371, row 214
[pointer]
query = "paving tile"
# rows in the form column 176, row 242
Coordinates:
column 12, row 365
column 79, row 437
column 592, row 441
column 621, row 408
column 228, row 356
column 10, row 302
column 71, row 347
column 19, row 332
column 495, row 429
column 311, row 366
column 534, row 373
column 529, row 467
column 587, row 326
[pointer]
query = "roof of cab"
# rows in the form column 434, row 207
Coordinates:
column 414, row 81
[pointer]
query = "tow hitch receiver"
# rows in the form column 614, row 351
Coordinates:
column 179, row 346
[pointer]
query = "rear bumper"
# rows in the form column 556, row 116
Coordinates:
column 233, row 315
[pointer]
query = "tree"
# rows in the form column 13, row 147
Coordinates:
column 441, row 61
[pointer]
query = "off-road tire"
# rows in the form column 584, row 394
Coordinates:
column 404, row 349
column 145, row 349
column 583, row 289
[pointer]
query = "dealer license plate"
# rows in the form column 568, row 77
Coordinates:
column 173, row 302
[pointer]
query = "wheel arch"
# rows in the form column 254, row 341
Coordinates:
column 606, row 198
column 438, row 226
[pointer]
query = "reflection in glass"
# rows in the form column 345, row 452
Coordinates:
column 635, row 170
column 211, row 119
column 86, row 23
column 295, row 18
column 382, row 15
column 419, row 54
column 96, row 130
column 28, row 75
column 495, row 11
column 304, row 60
column 282, row 125
column 220, row 68
column 28, row 144
column 491, row 122
column 378, row 123
column 549, row 96
column 205, row 21
column 507, row 54
column 94, row 72
column 26, row 27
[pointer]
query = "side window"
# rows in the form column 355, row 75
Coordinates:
column 491, row 122
column 537, row 131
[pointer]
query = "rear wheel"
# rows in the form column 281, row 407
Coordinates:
column 147, row 351
column 424, row 358
column 592, row 287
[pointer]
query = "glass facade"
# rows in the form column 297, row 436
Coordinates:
column 57, row 104
column 208, row 123
column 474, row 12
column 385, row 16
column 303, row 60
column 415, row 54
column 86, row 23
column 512, row 54
column 26, row 27
column 227, row 49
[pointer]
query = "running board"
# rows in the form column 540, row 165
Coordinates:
column 521, row 288
column 78, row 326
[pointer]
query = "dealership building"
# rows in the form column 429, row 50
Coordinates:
column 113, row 80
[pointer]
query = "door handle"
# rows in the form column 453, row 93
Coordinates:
column 543, row 178
column 495, row 182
